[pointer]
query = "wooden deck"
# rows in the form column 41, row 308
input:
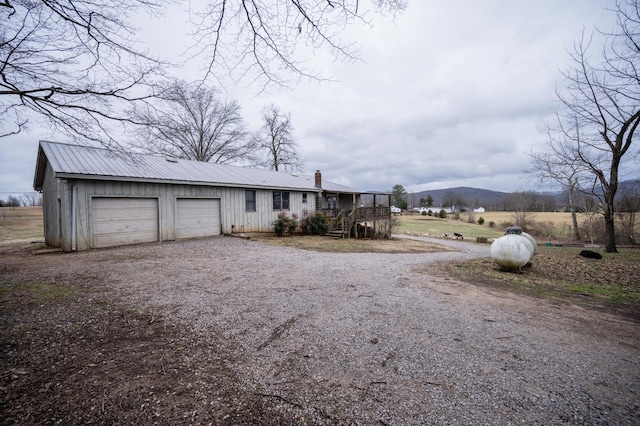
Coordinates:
column 341, row 221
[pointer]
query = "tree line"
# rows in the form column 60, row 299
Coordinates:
column 28, row 199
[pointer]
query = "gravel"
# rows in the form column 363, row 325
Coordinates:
column 330, row 338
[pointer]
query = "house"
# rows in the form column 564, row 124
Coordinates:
column 435, row 210
column 94, row 197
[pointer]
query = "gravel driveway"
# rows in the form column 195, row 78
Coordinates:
column 329, row 338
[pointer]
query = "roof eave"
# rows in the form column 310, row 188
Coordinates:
column 181, row 182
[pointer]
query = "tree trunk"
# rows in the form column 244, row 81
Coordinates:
column 610, row 195
column 610, row 233
column 574, row 220
column 609, row 210
column 574, row 216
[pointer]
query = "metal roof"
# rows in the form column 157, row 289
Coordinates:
column 84, row 162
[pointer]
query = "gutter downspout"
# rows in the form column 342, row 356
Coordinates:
column 74, row 198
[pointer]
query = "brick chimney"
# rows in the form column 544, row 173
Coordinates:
column 318, row 179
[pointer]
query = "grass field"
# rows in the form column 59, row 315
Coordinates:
column 20, row 226
column 556, row 224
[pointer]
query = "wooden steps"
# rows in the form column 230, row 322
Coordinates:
column 337, row 234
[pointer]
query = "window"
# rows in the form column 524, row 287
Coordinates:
column 304, row 198
column 280, row 200
column 250, row 200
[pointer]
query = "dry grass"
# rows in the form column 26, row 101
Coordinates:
column 350, row 245
column 430, row 226
column 20, row 226
column 559, row 272
column 555, row 226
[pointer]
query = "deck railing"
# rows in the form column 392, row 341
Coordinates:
column 338, row 218
column 364, row 214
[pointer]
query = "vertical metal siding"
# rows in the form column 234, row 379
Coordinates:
column 232, row 207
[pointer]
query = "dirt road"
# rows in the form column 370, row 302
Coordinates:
column 229, row 331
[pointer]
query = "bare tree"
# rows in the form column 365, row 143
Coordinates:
column 12, row 201
column 193, row 123
column 627, row 208
column 521, row 205
column 263, row 40
column 73, row 62
column 76, row 62
column 275, row 139
column 31, row 199
column 600, row 108
column 558, row 165
column 454, row 200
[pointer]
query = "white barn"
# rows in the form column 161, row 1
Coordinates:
column 94, row 197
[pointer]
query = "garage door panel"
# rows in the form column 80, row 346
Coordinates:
column 197, row 217
column 121, row 221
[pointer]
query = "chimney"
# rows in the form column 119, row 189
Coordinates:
column 318, row 179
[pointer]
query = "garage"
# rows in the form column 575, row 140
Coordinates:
column 122, row 221
column 197, row 217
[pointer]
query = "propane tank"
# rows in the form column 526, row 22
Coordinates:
column 512, row 251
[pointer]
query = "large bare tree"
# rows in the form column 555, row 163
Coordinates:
column 191, row 122
column 73, row 62
column 269, row 41
column 76, row 62
column 600, row 108
column 275, row 140
column 559, row 166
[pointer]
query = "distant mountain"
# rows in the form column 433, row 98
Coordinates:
column 629, row 187
column 472, row 196
column 486, row 198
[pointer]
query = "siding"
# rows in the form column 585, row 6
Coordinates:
column 232, row 206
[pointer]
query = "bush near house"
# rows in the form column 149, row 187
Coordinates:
column 314, row 224
column 285, row 224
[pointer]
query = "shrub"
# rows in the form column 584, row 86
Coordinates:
column 284, row 224
column 314, row 224
column 386, row 228
column 542, row 229
column 442, row 214
column 424, row 213
column 471, row 218
column 481, row 220
column 492, row 224
column 429, row 213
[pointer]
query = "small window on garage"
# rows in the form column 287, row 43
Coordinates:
column 250, row 200
column 280, row 200
column 304, row 198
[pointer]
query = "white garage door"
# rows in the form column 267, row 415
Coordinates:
column 121, row 221
column 197, row 217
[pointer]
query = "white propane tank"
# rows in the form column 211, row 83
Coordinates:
column 532, row 240
column 511, row 251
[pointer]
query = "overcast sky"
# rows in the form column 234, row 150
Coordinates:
column 448, row 94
